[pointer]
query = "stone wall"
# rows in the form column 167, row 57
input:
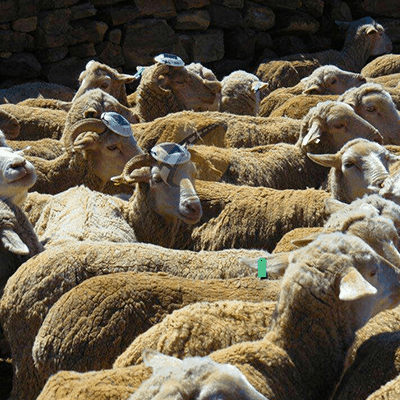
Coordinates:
column 52, row 40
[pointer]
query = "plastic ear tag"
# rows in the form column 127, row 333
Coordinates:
column 117, row 123
column 262, row 268
column 169, row 59
column 257, row 87
column 139, row 72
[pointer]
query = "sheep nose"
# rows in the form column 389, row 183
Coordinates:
column 192, row 208
column 20, row 162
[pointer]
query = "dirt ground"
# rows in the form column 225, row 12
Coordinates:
column 5, row 378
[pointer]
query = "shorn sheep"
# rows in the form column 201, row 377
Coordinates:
column 338, row 278
column 163, row 198
column 241, row 93
column 327, row 79
column 164, row 89
column 38, row 302
column 364, row 38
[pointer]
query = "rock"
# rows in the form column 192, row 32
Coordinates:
column 110, row 54
column 52, row 55
column 25, row 24
column 225, row 17
column 315, row 7
column 146, row 38
column 281, row 4
column 122, row 15
column 53, row 4
column 103, row 3
column 392, row 27
column 82, row 11
column 208, row 46
column 114, row 36
column 5, row 26
column 240, row 43
column 85, row 30
column 263, row 40
column 226, row 66
column 26, row 8
column 384, row 8
column 193, row 20
column 15, row 41
column 82, row 50
column 66, row 72
column 157, row 8
column 53, row 27
column 8, row 10
column 259, row 17
column 340, row 11
column 230, row 3
column 189, row 4
column 285, row 45
column 297, row 23
column 20, row 64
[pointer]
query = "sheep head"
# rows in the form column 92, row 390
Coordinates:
column 359, row 168
column 106, row 152
column 17, row 175
column 193, row 377
column 98, row 75
column 9, row 125
column 189, row 88
column 170, row 187
column 91, row 105
column 371, row 102
column 331, row 124
column 330, row 79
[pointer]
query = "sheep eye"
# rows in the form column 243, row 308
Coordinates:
column 371, row 109
column 90, row 114
column 339, row 126
column 157, row 179
column 372, row 273
column 333, row 81
column 104, row 85
column 112, row 147
column 348, row 164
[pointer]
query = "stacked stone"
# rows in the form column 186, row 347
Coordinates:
column 53, row 39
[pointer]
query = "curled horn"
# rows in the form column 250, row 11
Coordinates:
column 83, row 125
column 137, row 162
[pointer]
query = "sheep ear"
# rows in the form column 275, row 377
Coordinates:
column 343, row 24
column 256, row 86
column 353, row 286
column 138, row 175
column 333, row 205
column 304, row 241
column 157, row 361
column 327, row 160
column 312, row 89
column 313, row 135
column 86, row 141
column 89, row 112
column 13, row 243
column 371, row 30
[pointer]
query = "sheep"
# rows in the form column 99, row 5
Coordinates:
column 43, row 288
column 163, row 198
column 382, row 65
column 359, row 168
column 364, row 38
column 92, row 155
column 338, row 277
column 390, row 391
column 327, row 79
column 9, row 125
column 34, row 122
column 241, row 93
column 221, row 324
column 164, row 89
column 371, row 102
column 18, row 93
column 45, row 148
column 390, row 81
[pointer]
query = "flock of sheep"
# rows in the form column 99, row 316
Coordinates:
column 125, row 275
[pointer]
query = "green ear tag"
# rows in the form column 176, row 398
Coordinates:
column 262, row 268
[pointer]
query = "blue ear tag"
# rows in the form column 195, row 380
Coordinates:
column 117, row 123
column 139, row 72
column 262, row 268
column 257, row 87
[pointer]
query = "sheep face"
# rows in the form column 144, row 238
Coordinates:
column 380, row 42
column 175, row 196
column 335, row 124
column 361, row 167
column 196, row 378
column 194, row 92
column 97, row 75
column 330, row 79
column 107, row 153
column 17, row 175
column 376, row 106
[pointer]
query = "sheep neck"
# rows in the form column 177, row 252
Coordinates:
column 149, row 227
column 153, row 102
column 355, row 53
column 315, row 333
